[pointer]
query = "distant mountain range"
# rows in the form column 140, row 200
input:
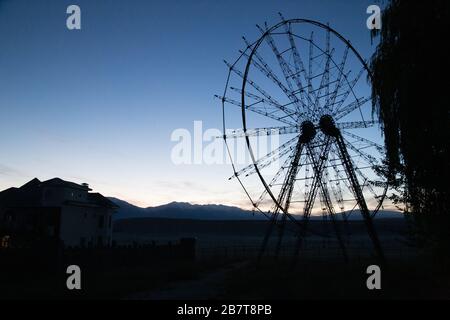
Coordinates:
column 184, row 210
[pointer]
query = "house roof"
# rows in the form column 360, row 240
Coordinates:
column 57, row 182
column 101, row 200
column 13, row 197
column 30, row 194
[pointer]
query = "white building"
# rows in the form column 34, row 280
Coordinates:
column 55, row 210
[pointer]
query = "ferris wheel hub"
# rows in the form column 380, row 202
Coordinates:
column 308, row 131
column 328, row 126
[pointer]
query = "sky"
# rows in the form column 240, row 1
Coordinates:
column 99, row 105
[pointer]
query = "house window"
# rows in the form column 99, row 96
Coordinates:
column 5, row 242
column 83, row 242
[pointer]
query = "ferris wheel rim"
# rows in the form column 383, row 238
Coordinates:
column 255, row 45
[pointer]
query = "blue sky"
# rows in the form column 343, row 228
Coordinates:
column 98, row 105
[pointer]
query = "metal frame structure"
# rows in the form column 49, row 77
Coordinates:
column 317, row 103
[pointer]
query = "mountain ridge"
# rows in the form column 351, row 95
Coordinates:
column 185, row 210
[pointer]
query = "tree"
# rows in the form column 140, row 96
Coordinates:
column 411, row 91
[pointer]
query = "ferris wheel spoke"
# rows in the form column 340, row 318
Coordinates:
column 326, row 76
column 336, row 188
column 377, row 146
column 287, row 188
column 325, row 80
column 239, row 133
column 340, row 78
column 338, row 172
column 298, row 61
column 275, row 179
column 350, row 85
column 340, row 68
column 289, row 112
column 356, row 124
column 350, row 107
column 340, row 193
column 367, row 183
column 264, row 68
column 299, row 66
column 254, row 108
column 252, row 83
column 367, row 157
column 268, row 159
column 310, row 62
column 287, row 72
column 324, row 84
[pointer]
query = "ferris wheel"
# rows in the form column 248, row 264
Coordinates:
column 304, row 86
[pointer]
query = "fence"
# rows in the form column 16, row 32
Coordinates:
column 314, row 250
column 102, row 258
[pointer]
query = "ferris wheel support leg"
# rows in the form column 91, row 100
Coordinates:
column 272, row 223
column 287, row 195
column 328, row 204
column 280, row 235
column 311, row 198
column 299, row 244
column 359, row 196
column 284, row 197
column 337, row 231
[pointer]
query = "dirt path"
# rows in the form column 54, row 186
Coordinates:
column 209, row 286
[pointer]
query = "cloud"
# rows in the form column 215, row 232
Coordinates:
column 10, row 171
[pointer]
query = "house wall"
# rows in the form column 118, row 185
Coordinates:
column 28, row 226
column 85, row 226
column 77, row 221
column 54, row 196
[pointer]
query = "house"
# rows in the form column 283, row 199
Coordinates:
column 55, row 211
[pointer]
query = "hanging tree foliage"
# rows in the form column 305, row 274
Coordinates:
column 411, row 90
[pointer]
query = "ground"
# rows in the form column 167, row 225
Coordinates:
column 401, row 279
column 418, row 278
